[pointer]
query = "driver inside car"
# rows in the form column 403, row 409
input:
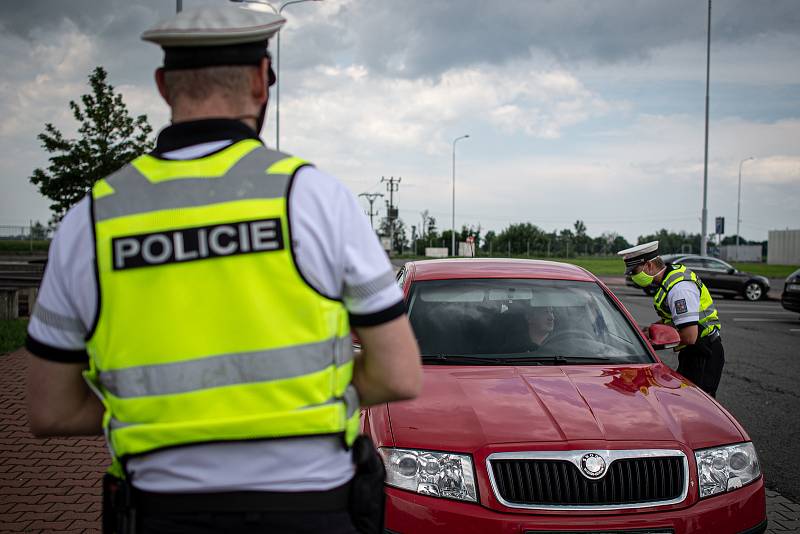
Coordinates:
column 540, row 321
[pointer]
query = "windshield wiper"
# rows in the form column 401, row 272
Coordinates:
column 528, row 360
column 557, row 360
column 443, row 359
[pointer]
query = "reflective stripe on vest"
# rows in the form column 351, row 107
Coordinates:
column 206, row 331
column 708, row 319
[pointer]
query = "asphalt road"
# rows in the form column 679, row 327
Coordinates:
column 761, row 380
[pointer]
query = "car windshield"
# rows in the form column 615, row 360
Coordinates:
column 505, row 321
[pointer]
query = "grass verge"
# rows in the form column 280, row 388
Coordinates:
column 19, row 246
column 12, row 334
column 770, row 271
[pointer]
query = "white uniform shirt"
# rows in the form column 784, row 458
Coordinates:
column 336, row 251
column 684, row 303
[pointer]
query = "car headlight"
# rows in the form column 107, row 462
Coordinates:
column 440, row 474
column 726, row 468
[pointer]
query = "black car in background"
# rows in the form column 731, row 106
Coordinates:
column 790, row 299
column 719, row 277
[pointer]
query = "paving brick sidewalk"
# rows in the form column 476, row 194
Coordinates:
column 46, row 485
column 53, row 485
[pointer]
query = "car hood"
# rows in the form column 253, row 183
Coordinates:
column 463, row 408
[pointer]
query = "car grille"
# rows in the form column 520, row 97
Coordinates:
column 543, row 483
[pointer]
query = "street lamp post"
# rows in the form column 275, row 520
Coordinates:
column 739, row 206
column 453, row 226
column 278, row 65
column 704, row 224
column 278, row 75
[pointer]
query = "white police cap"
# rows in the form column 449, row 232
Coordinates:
column 639, row 254
column 225, row 24
column 226, row 34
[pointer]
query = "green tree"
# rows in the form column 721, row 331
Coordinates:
column 672, row 242
column 400, row 235
column 38, row 231
column 108, row 138
column 566, row 240
column 610, row 243
column 461, row 236
column 488, row 241
column 582, row 240
column 522, row 238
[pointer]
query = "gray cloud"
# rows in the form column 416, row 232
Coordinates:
column 426, row 37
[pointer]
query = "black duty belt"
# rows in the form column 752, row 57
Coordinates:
column 333, row 500
column 712, row 337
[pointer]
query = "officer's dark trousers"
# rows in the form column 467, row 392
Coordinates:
column 247, row 523
column 245, row 512
column 702, row 364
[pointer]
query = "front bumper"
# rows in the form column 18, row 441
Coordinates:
column 790, row 300
column 738, row 512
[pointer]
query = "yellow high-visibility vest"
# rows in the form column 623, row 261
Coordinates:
column 708, row 321
column 206, row 330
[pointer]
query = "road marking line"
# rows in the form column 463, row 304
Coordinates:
column 737, row 319
column 751, row 309
column 757, row 312
column 794, row 330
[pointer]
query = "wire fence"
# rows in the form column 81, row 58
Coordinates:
column 30, row 232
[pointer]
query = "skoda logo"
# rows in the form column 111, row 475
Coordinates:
column 593, row 465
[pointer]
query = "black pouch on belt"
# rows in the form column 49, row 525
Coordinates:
column 119, row 513
column 367, row 498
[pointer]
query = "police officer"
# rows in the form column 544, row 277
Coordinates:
column 682, row 301
column 206, row 291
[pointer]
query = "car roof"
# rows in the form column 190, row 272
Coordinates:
column 675, row 257
column 497, row 268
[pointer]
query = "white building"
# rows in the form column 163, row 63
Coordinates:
column 783, row 247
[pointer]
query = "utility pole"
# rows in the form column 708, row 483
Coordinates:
column 178, row 6
column 703, row 234
column 371, row 197
column 392, row 186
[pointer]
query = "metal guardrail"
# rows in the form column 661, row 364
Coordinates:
column 21, row 275
column 20, row 280
column 19, row 283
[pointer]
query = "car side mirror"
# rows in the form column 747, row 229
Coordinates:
column 731, row 270
column 662, row 336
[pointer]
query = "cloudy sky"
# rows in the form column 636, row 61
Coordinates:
column 576, row 109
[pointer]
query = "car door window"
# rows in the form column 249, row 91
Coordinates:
column 693, row 263
column 715, row 265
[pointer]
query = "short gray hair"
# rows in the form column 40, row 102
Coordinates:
column 230, row 82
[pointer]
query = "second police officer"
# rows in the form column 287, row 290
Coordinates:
column 682, row 301
column 207, row 291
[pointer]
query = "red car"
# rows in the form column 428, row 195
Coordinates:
column 546, row 409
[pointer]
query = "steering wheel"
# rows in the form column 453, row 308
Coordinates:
column 565, row 333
